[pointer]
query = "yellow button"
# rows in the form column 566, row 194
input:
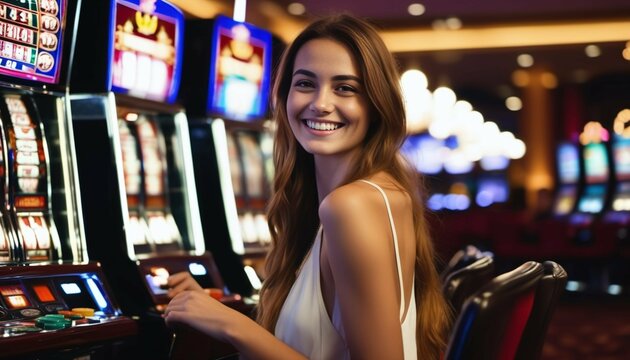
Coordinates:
column 84, row 311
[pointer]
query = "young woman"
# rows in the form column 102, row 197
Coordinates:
column 351, row 273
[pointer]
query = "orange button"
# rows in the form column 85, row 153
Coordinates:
column 84, row 311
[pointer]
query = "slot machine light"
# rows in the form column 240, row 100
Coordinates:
column 97, row 294
column 621, row 125
column 594, row 133
column 197, row 269
column 70, row 288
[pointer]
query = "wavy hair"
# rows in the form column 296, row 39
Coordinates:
column 295, row 191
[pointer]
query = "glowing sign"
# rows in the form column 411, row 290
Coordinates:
column 240, row 70
column 147, row 37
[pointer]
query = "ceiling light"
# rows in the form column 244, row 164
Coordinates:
column 525, row 60
column 296, row 8
column 513, row 103
column 592, row 51
column 416, row 9
column 453, row 23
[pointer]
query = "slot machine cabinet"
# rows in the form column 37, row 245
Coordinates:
column 615, row 222
column 132, row 142
column 225, row 89
column 53, row 301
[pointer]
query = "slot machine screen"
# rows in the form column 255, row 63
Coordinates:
column 240, row 68
column 621, row 199
column 31, row 39
column 565, row 200
column 621, row 156
column 422, row 152
column 595, row 163
column 146, row 54
column 592, row 201
column 568, row 164
column 491, row 190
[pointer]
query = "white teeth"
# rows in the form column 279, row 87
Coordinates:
column 322, row 126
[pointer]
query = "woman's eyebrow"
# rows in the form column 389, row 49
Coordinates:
column 336, row 77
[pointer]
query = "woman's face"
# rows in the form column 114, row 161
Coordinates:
column 327, row 106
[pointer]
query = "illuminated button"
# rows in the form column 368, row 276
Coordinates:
column 30, row 312
column 87, row 312
column 72, row 315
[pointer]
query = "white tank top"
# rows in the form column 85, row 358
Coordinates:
column 303, row 323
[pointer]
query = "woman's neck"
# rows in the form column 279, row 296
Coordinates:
column 331, row 171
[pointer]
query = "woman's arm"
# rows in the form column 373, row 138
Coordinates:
column 203, row 313
column 362, row 260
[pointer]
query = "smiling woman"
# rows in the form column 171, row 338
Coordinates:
column 351, row 273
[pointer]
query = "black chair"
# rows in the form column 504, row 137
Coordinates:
column 492, row 321
column 463, row 283
column 550, row 288
column 462, row 258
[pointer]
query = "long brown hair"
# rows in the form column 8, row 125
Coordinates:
column 293, row 209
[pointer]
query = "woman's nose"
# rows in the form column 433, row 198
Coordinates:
column 322, row 103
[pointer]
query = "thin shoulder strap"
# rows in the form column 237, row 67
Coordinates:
column 391, row 223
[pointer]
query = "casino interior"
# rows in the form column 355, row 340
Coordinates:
column 136, row 142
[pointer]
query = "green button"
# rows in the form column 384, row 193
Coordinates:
column 24, row 329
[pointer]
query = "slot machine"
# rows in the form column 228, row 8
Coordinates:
column 597, row 174
column 615, row 222
column 568, row 174
column 225, row 89
column 54, row 302
column 492, row 182
column 133, row 154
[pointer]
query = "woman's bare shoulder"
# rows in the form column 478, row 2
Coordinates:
column 359, row 204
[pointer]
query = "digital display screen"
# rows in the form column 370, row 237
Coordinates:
column 423, row 152
column 14, row 296
column 568, row 163
column 592, row 201
column 621, row 199
column 31, row 38
column 621, row 156
column 492, row 190
column 147, row 49
column 565, row 200
column 240, row 68
column 596, row 163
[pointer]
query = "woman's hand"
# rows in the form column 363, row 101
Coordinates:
column 201, row 312
column 180, row 282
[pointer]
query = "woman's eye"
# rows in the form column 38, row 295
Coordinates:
column 303, row 83
column 346, row 88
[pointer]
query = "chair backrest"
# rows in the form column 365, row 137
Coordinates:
column 463, row 283
column 493, row 319
column 550, row 288
column 462, row 258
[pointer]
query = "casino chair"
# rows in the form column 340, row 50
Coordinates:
column 491, row 323
column 550, row 288
column 462, row 258
column 463, row 283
